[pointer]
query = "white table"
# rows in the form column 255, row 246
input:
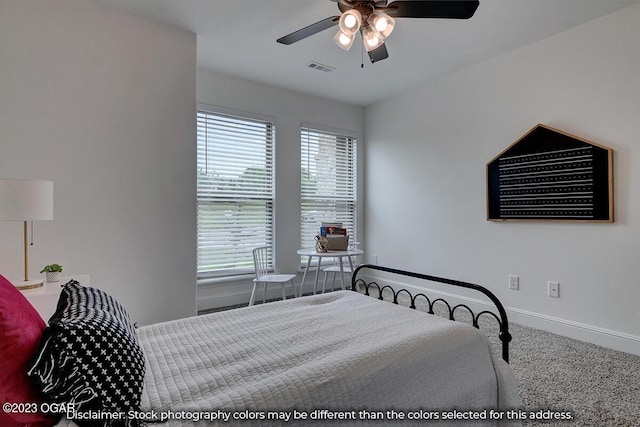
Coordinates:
column 310, row 253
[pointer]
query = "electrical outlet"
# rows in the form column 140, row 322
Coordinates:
column 375, row 260
column 514, row 283
column 553, row 289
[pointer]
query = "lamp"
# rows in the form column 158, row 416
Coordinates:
column 374, row 25
column 26, row 200
column 382, row 23
column 372, row 39
column 350, row 21
column 344, row 40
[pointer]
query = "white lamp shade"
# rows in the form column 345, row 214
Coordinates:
column 372, row 39
column 382, row 23
column 26, row 200
column 343, row 40
column 350, row 21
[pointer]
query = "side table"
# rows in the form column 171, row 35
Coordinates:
column 45, row 298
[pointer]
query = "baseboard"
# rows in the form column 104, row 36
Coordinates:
column 576, row 330
column 596, row 335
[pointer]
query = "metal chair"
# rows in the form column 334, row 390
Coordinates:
column 261, row 264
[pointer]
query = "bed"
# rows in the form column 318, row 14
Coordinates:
column 341, row 357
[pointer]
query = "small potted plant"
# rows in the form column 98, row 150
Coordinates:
column 52, row 272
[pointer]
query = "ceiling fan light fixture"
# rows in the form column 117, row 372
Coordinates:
column 372, row 39
column 343, row 40
column 382, row 23
column 350, row 21
column 376, row 19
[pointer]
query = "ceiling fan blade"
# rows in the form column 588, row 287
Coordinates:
column 378, row 54
column 309, row 30
column 458, row 9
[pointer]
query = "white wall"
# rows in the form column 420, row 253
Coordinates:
column 289, row 109
column 426, row 194
column 103, row 103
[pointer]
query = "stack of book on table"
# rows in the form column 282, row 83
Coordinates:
column 333, row 237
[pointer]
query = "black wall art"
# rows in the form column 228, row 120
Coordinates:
column 552, row 176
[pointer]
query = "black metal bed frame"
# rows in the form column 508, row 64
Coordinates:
column 504, row 336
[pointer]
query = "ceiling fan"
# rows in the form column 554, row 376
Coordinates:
column 375, row 20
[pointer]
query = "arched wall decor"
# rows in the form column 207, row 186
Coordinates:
column 551, row 175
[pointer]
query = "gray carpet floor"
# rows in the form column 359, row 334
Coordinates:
column 600, row 387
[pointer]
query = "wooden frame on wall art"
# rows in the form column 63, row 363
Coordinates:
column 550, row 175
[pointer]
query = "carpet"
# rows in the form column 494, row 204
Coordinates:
column 600, row 386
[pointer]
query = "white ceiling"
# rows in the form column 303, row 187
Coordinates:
column 238, row 37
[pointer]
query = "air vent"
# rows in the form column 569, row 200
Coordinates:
column 320, row 67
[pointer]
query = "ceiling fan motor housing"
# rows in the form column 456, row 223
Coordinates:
column 365, row 8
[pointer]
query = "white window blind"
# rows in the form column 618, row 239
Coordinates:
column 328, row 182
column 235, row 191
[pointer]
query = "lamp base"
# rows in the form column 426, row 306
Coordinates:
column 23, row 285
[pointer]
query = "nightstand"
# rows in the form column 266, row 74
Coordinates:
column 45, row 298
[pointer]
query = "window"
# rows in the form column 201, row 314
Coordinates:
column 235, row 191
column 328, row 181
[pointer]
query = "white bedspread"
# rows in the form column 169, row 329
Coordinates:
column 340, row 351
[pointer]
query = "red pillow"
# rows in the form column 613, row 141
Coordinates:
column 20, row 330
